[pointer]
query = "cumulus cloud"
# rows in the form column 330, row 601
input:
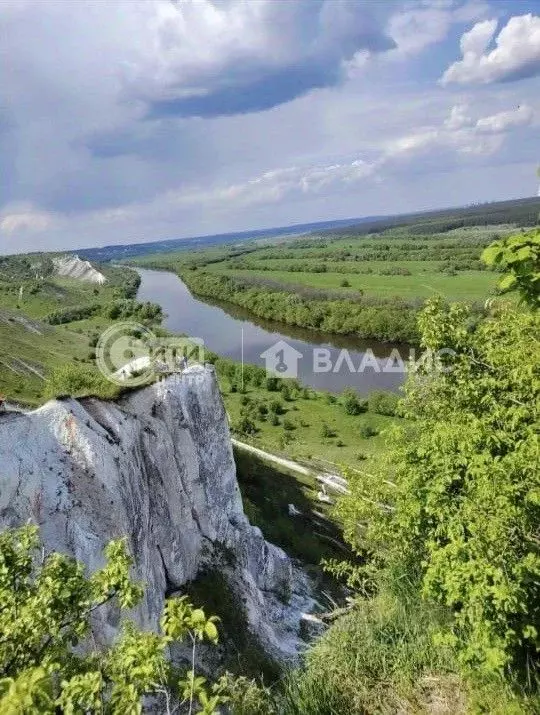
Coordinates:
column 203, row 58
column 419, row 25
column 520, row 117
column 461, row 133
column 139, row 119
column 516, row 54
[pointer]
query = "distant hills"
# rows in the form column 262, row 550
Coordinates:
column 521, row 212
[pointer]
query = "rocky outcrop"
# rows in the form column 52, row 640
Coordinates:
column 74, row 267
column 158, row 468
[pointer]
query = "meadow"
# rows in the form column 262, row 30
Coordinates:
column 371, row 285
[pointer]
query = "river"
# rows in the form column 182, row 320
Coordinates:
column 236, row 333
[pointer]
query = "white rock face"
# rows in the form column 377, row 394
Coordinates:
column 74, row 267
column 158, row 468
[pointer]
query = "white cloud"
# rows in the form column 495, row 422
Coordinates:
column 202, row 58
column 277, row 184
column 515, row 56
column 477, row 40
column 24, row 218
column 458, row 118
column 423, row 24
column 462, row 134
column 93, row 165
column 520, row 117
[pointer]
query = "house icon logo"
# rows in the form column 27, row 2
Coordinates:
column 281, row 359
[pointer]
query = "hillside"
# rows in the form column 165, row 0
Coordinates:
column 48, row 320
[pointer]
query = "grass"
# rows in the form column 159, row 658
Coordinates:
column 466, row 285
column 306, row 412
column 29, row 350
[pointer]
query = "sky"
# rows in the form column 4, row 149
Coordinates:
column 140, row 120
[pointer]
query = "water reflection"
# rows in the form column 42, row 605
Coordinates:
column 234, row 332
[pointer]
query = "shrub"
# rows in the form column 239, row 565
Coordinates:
column 460, row 494
column 383, row 403
column 327, row 432
column 367, row 430
column 285, row 392
column 272, row 384
column 75, row 380
column 47, row 601
column 351, row 402
column 245, row 426
column 277, row 407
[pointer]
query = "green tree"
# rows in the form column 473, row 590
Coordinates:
column 519, row 258
column 46, row 604
column 457, row 507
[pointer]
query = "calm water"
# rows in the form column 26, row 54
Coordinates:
column 232, row 332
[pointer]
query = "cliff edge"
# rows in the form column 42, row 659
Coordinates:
column 156, row 467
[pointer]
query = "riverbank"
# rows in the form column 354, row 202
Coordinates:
column 242, row 337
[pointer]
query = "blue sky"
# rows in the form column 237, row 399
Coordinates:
column 139, row 120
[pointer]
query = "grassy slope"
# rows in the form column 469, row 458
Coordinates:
column 26, row 353
column 308, row 416
column 29, row 347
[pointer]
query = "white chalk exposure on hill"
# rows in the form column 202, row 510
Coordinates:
column 158, row 468
column 74, row 267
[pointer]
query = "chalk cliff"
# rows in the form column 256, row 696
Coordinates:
column 74, row 267
column 158, row 468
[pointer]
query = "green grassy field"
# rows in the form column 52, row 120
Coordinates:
column 311, row 427
column 466, row 285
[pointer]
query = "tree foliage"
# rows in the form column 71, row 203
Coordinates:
column 47, row 662
column 457, row 507
column 519, row 257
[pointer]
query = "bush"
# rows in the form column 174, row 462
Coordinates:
column 245, row 426
column 286, row 392
column 383, row 403
column 367, row 430
column 351, row 402
column 277, row 407
column 461, row 491
column 327, row 432
column 288, row 425
column 47, row 657
column 272, row 384
column 73, row 380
